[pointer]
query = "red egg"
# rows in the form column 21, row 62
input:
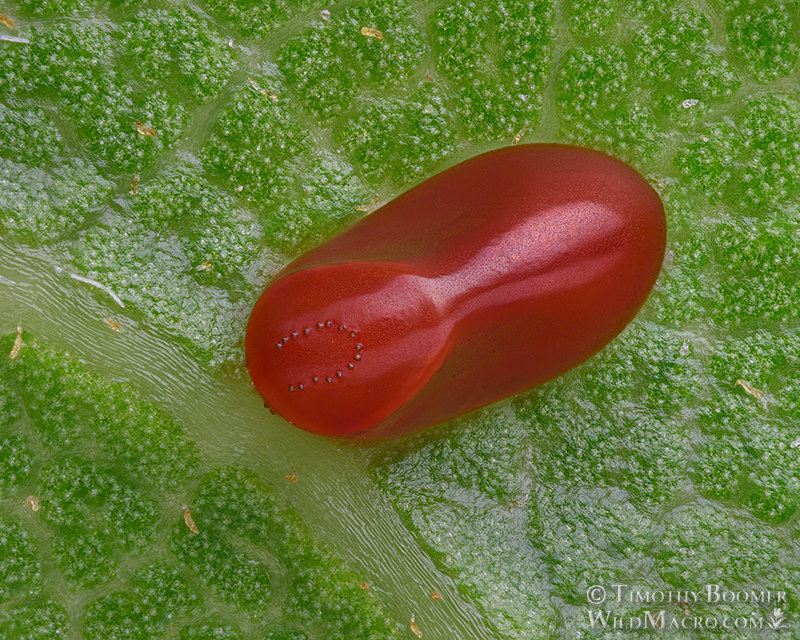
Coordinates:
column 488, row 279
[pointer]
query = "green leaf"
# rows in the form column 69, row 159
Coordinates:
column 176, row 156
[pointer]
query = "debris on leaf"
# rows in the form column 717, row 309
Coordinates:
column 7, row 21
column 293, row 477
column 364, row 585
column 94, row 283
column 369, row 32
column 262, row 91
column 415, row 629
column 370, row 206
column 187, row 518
column 518, row 135
column 436, row 595
column 112, row 323
column 750, row 389
column 32, row 502
column 97, row 284
column 17, row 343
column 134, row 185
column 205, row 266
column 145, row 130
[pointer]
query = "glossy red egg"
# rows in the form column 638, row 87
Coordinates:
column 488, row 279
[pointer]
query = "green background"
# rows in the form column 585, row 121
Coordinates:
column 279, row 123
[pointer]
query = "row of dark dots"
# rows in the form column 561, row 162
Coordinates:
column 306, row 331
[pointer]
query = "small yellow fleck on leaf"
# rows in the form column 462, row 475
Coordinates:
column 436, row 595
column 134, row 185
column 205, row 266
column 415, row 629
column 364, row 585
column 750, row 389
column 519, row 134
column 429, row 77
column 369, row 206
column 145, row 130
column 17, row 343
column 112, row 323
column 187, row 518
column 293, row 476
column 369, row 32
column 262, row 91
column 7, row 20
column 32, row 502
